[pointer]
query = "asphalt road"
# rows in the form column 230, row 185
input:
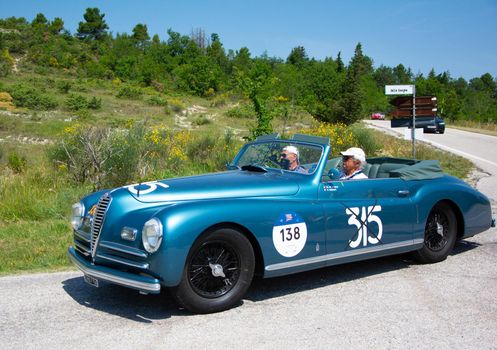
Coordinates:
column 383, row 303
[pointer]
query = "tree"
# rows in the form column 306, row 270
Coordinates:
column 6, row 62
column 360, row 64
column 485, row 83
column 94, row 27
column 352, row 99
column 198, row 76
column 488, row 82
column 298, row 57
column 177, row 43
column 56, row 25
column 198, row 37
column 384, row 76
column 156, row 39
column 216, row 51
column 256, row 85
column 140, row 35
column 39, row 21
column 402, row 75
column 340, row 65
column 242, row 60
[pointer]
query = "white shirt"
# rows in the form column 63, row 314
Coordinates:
column 357, row 175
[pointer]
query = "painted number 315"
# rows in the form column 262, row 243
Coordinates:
column 360, row 217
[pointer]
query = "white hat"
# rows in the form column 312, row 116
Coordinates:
column 292, row 149
column 355, row 152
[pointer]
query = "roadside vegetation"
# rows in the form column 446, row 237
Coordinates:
column 487, row 128
column 89, row 111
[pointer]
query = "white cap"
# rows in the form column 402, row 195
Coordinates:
column 292, row 149
column 355, row 152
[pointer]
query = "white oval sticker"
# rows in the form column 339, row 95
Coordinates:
column 289, row 234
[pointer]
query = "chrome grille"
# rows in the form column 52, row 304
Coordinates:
column 98, row 220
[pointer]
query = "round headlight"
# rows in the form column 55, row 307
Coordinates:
column 78, row 212
column 152, row 235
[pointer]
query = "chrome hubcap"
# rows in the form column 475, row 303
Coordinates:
column 440, row 229
column 217, row 270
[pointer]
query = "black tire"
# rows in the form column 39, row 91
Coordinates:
column 440, row 235
column 218, row 272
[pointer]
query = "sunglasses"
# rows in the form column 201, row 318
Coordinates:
column 346, row 158
column 283, row 155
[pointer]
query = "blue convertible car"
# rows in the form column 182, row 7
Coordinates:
column 204, row 237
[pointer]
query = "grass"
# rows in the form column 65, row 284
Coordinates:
column 473, row 126
column 34, row 245
column 34, row 210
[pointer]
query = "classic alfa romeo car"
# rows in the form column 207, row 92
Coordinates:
column 204, row 237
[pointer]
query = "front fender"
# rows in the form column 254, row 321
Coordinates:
column 183, row 224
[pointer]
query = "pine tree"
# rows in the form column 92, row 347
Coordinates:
column 352, row 97
column 140, row 35
column 298, row 57
column 340, row 65
column 94, row 27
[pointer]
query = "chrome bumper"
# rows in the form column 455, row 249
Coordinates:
column 141, row 283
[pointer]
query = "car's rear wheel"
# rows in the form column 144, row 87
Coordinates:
column 218, row 272
column 440, row 235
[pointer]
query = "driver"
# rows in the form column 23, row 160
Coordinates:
column 290, row 159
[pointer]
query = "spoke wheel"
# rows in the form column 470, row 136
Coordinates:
column 218, row 272
column 437, row 231
column 440, row 235
column 214, row 269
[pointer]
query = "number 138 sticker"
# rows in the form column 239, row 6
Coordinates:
column 289, row 234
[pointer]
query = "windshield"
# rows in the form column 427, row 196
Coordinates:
column 280, row 155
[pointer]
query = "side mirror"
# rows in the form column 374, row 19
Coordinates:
column 334, row 174
column 230, row 166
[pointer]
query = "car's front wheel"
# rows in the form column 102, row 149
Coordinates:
column 218, row 272
column 440, row 235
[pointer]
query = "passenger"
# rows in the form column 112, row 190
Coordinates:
column 354, row 160
column 290, row 160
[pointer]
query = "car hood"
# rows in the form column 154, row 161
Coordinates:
column 231, row 184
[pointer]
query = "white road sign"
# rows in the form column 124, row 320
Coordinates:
column 399, row 89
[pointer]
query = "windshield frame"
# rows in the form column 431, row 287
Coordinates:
column 279, row 144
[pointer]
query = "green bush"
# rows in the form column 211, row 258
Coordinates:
column 76, row 102
column 95, row 103
column 176, row 105
column 201, row 120
column 130, row 92
column 17, row 163
column 103, row 157
column 365, row 139
column 219, row 101
column 240, row 112
column 63, row 86
column 84, row 115
column 25, row 96
column 157, row 100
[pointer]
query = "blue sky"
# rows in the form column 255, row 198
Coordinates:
column 455, row 36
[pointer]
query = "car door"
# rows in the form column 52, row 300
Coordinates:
column 366, row 218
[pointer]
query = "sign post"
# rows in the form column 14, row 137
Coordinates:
column 406, row 90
